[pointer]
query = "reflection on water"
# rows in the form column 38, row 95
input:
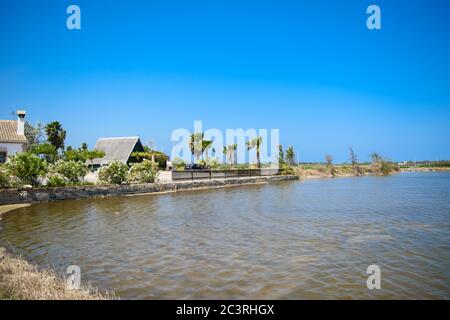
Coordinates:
column 293, row 240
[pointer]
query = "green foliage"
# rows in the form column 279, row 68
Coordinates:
column 229, row 152
column 115, row 173
column 45, row 149
column 144, row 172
column 56, row 180
column 93, row 154
column 256, row 143
column 280, row 155
column 290, row 156
column 196, row 145
column 286, row 170
column 72, row 172
column 5, row 179
column 212, row 163
column 56, row 135
column 159, row 157
column 27, row 167
column 75, row 155
column 179, row 164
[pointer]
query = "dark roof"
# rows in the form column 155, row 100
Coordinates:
column 116, row 149
column 8, row 132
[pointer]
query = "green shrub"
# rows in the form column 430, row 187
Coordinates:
column 73, row 172
column 115, row 173
column 56, row 180
column 179, row 164
column 5, row 179
column 387, row 167
column 144, row 172
column 286, row 169
column 212, row 163
column 28, row 168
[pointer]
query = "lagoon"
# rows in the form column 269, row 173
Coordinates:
column 288, row 240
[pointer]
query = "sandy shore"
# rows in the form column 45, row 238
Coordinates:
column 10, row 207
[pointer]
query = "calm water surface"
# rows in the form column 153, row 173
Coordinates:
column 292, row 240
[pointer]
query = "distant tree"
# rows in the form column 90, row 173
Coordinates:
column 84, row 146
column 290, row 156
column 45, row 150
column 354, row 161
column 93, row 154
column 154, row 156
column 229, row 153
column 56, row 135
column 376, row 157
column 256, row 143
column 329, row 160
column 280, row 155
column 33, row 134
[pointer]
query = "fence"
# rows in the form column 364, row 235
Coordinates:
column 221, row 174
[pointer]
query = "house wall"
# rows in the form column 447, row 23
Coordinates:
column 11, row 148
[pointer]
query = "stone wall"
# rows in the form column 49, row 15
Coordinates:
column 15, row 196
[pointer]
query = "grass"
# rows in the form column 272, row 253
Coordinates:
column 20, row 280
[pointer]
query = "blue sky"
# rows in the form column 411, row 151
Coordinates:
column 310, row 68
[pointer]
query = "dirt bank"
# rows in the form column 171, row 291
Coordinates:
column 20, row 280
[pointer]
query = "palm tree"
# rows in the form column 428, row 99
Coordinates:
column 206, row 144
column 256, row 143
column 55, row 134
column 196, row 145
column 229, row 152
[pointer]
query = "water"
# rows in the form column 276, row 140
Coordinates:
column 290, row 240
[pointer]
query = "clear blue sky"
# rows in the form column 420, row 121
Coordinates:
column 310, row 68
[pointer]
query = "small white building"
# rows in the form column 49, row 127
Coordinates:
column 12, row 136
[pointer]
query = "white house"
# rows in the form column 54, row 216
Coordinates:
column 12, row 136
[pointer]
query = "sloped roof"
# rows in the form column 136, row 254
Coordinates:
column 115, row 149
column 8, row 132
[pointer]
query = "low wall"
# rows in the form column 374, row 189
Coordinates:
column 14, row 196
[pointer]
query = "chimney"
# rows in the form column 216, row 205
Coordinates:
column 21, row 122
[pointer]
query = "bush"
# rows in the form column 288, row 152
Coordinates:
column 115, row 173
column 387, row 167
column 4, row 177
column 72, row 172
column 56, row 180
column 144, row 172
column 212, row 163
column 28, row 168
column 179, row 164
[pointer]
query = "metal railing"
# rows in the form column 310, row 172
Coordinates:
column 220, row 174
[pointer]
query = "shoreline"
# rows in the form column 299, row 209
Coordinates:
column 38, row 195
